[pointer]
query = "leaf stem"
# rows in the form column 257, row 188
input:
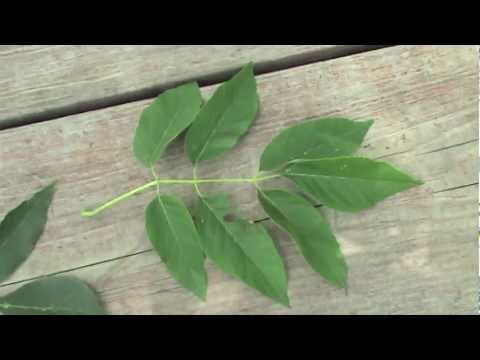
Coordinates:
column 89, row 213
column 157, row 182
column 197, row 189
column 155, row 176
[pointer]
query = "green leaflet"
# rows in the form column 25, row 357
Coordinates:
column 52, row 296
column 19, row 232
column 21, row 228
column 348, row 183
column 319, row 138
column 224, row 118
column 241, row 249
column 173, row 234
column 310, row 230
column 162, row 121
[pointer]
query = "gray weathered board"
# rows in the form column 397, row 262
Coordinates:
column 413, row 253
column 39, row 82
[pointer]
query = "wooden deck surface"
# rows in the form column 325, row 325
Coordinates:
column 415, row 253
column 44, row 82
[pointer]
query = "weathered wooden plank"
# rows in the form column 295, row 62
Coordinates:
column 38, row 82
column 401, row 262
column 425, row 103
column 94, row 165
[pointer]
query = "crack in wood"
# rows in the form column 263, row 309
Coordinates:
column 455, row 188
column 75, row 268
column 449, row 147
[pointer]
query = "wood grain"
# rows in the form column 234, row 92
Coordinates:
column 413, row 253
column 42, row 82
column 398, row 260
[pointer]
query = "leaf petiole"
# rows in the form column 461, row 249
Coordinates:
column 195, row 182
column 197, row 189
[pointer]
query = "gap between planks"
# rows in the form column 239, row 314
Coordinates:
column 213, row 78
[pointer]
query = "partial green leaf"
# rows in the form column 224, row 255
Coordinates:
column 319, row 138
column 162, row 121
column 310, row 230
column 224, row 118
column 21, row 228
column 241, row 249
column 348, row 183
column 52, row 296
column 175, row 238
